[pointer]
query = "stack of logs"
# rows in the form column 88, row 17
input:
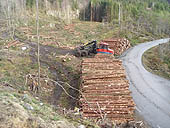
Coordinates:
column 105, row 90
column 118, row 45
column 14, row 44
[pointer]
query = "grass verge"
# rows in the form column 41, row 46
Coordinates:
column 157, row 60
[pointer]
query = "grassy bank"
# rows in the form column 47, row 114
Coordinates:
column 157, row 60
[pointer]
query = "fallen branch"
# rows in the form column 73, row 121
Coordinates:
column 59, row 84
column 63, row 89
column 100, row 110
column 5, row 83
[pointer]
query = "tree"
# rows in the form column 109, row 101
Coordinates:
column 38, row 40
column 119, row 13
column 30, row 3
column 9, row 10
column 93, row 5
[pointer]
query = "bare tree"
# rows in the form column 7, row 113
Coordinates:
column 119, row 13
column 13, row 19
column 8, row 15
column 91, row 11
column 38, row 40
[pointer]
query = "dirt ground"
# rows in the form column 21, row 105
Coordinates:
column 63, row 66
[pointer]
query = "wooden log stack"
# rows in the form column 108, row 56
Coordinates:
column 118, row 45
column 105, row 90
column 13, row 44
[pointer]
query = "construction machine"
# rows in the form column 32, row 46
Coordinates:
column 104, row 48
column 92, row 48
column 86, row 49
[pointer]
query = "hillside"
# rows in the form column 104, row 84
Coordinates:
column 157, row 60
column 64, row 24
column 21, row 110
column 136, row 20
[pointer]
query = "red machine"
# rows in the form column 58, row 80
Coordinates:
column 92, row 48
column 104, row 48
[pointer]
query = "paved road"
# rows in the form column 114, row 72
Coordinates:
column 151, row 93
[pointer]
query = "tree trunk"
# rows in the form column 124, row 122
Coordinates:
column 68, row 14
column 119, row 13
column 46, row 6
column 8, row 16
column 84, row 15
column 13, row 19
column 38, row 40
column 91, row 13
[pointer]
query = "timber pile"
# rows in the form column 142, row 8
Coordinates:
column 13, row 44
column 105, row 90
column 118, row 45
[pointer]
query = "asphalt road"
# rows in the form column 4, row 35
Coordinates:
column 150, row 92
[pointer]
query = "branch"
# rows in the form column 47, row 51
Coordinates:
column 5, row 83
column 80, row 93
column 63, row 89
column 100, row 110
column 58, row 83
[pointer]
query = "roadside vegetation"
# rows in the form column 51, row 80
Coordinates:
column 21, row 110
column 157, row 60
column 137, row 20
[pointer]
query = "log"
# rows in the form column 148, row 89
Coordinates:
column 104, row 83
